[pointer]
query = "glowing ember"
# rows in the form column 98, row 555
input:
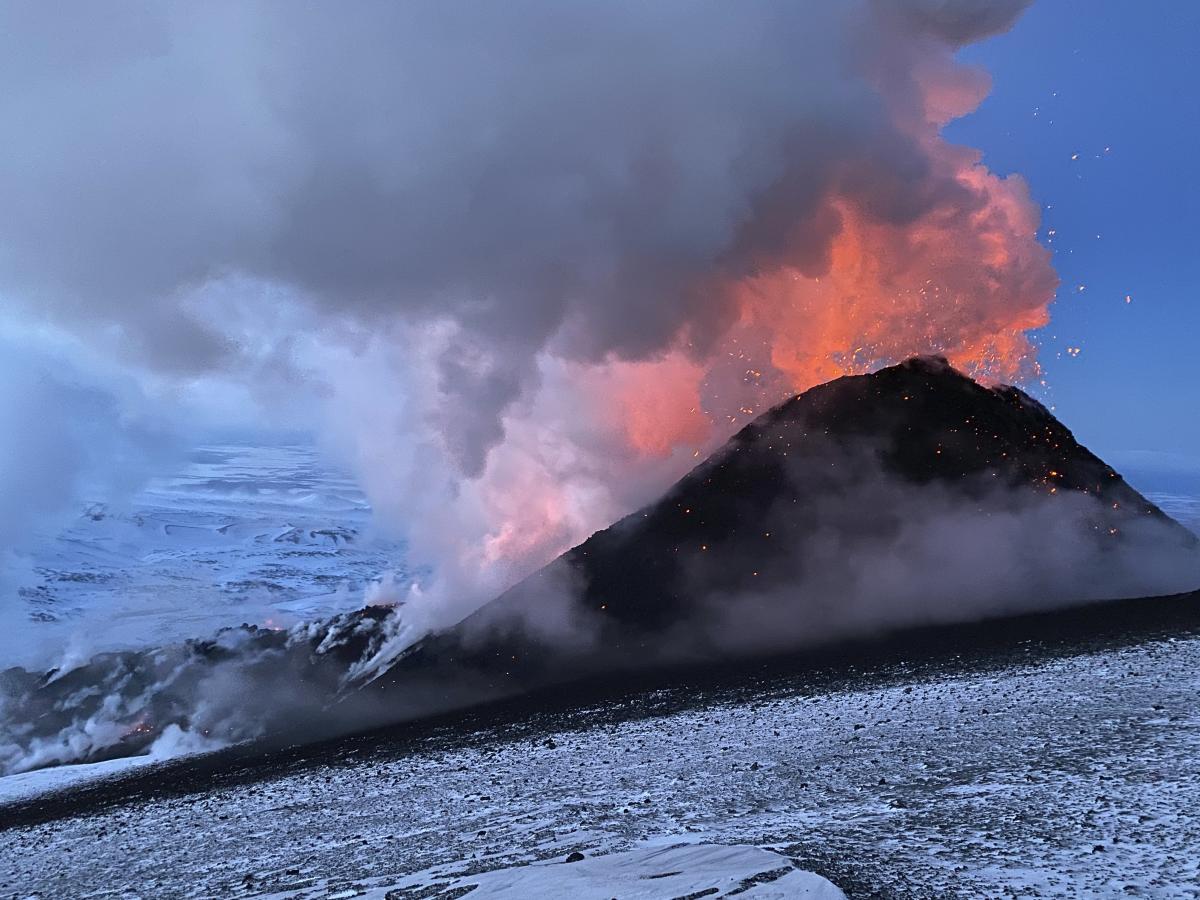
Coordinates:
column 963, row 277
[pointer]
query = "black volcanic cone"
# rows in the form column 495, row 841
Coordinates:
column 858, row 465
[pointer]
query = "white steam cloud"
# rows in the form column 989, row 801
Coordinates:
column 519, row 263
column 71, row 433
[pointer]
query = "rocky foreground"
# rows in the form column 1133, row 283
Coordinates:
column 1033, row 769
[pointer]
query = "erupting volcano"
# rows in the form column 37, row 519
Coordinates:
column 910, row 496
column 626, row 425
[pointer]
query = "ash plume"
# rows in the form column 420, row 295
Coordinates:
column 521, row 264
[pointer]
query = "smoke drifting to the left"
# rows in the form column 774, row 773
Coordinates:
column 519, row 264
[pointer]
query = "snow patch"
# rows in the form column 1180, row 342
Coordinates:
column 691, row 870
column 25, row 785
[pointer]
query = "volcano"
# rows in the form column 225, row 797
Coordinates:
column 873, row 504
column 909, row 496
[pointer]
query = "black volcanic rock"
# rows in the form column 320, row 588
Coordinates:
column 926, row 423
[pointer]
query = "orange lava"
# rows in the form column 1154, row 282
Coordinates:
column 881, row 268
column 965, row 277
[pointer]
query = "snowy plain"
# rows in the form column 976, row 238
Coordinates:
column 648, row 873
column 243, row 533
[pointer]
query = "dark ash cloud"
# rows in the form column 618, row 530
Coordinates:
column 541, row 174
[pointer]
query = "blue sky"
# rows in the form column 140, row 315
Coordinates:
column 1077, row 78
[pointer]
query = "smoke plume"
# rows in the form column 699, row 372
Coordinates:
column 521, row 263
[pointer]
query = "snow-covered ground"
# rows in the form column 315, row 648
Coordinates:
column 685, row 870
column 25, row 785
column 1069, row 777
column 243, row 534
